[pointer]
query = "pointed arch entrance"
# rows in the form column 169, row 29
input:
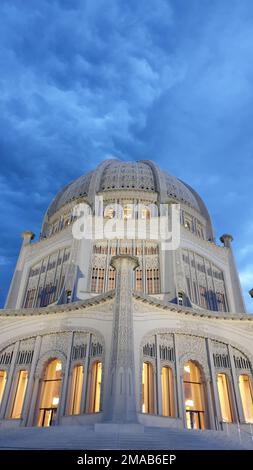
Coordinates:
column 194, row 398
column 49, row 395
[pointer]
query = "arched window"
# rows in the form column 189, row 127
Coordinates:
column 3, row 377
column 50, row 393
column 194, row 397
column 167, row 392
column 95, row 387
column 224, row 397
column 76, row 390
column 19, row 395
column 245, row 386
column 147, row 388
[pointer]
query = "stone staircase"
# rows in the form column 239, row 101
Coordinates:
column 85, row 437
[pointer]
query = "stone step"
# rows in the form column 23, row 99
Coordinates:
column 84, row 437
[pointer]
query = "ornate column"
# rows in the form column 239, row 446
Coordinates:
column 65, row 382
column 238, row 402
column 158, row 378
column 12, row 300
column 210, row 408
column 33, row 410
column 239, row 305
column 179, row 389
column 120, row 396
column 85, row 375
column 31, row 380
column 213, row 384
column 7, row 392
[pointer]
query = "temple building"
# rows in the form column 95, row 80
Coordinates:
column 126, row 329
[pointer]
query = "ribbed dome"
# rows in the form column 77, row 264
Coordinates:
column 113, row 175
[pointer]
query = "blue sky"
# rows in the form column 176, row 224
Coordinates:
column 167, row 80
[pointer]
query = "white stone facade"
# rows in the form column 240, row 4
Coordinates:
column 114, row 305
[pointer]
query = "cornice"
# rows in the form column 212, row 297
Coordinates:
column 152, row 301
column 146, row 299
column 56, row 309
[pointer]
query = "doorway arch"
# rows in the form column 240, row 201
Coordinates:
column 50, row 391
column 194, row 396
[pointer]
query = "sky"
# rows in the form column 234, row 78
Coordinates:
column 166, row 80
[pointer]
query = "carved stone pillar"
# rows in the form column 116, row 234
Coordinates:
column 120, row 396
column 65, row 380
column 210, row 408
column 239, row 306
column 158, row 378
column 10, row 378
column 238, row 402
column 30, row 385
column 33, row 411
column 213, row 384
column 179, row 390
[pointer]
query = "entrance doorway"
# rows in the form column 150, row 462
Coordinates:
column 194, row 397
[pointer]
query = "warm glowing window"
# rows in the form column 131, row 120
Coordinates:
column 194, row 397
column 111, row 278
column 3, row 377
column 76, row 391
column 94, row 277
column 153, row 281
column 19, row 394
column 138, row 279
column 97, row 280
column 109, row 212
column 147, row 388
column 50, row 393
column 246, row 393
column 145, row 214
column 95, row 387
column 187, row 225
column 224, row 396
column 167, row 392
column 127, row 212
column 101, row 276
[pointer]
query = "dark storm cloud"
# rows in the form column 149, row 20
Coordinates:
column 167, row 80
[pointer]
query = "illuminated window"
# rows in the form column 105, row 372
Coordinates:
column 180, row 298
column 167, row 392
column 3, row 377
column 50, row 393
column 147, row 388
column 246, row 393
column 76, row 390
column 95, row 387
column 19, row 394
column 97, row 280
column 101, row 277
column 153, row 281
column 127, row 212
column 138, row 279
column 111, row 278
column 194, row 397
column 224, row 396
column 94, row 277
column 187, row 225
column 109, row 212
column 145, row 213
